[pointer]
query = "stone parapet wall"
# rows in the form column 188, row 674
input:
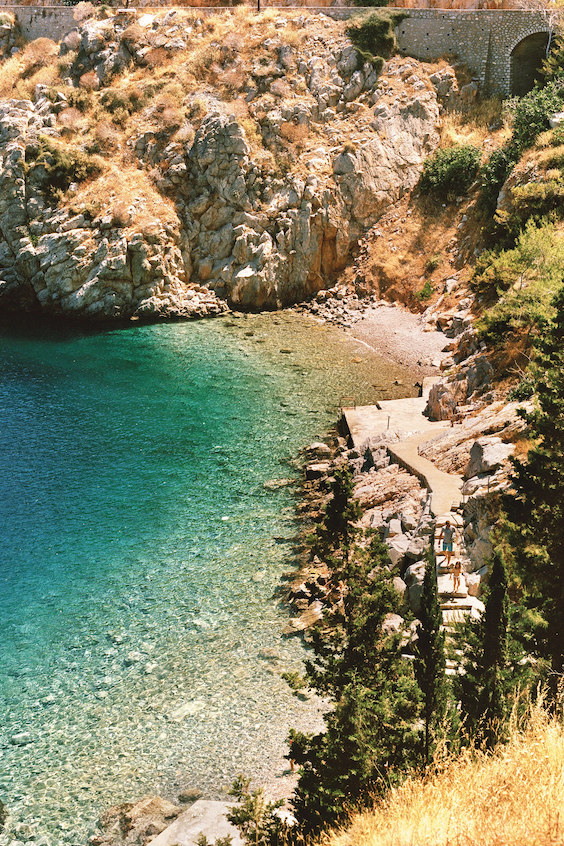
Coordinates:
column 42, row 21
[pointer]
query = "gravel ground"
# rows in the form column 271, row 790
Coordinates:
column 398, row 334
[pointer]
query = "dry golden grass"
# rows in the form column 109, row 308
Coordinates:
column 474, row 125
column 20, row 73
column 125, row 193
column 24, row 88
column 512, row 798
column 10, row 71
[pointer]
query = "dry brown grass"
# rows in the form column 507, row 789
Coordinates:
column 128, row 195
column 38, row 54
column 89, row 81
column 71, row 120
column 512, row 798
column 474, row 125
column 107, row 136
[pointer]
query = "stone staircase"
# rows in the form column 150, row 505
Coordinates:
column 405, row 417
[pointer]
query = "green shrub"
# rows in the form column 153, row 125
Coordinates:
column 79, row 99
column 493, row 174
column 532, row 113
column 553, row 66
column 425, row 293
column 373, row 35
column 432, row 264
column 451, row 171
column 535, row 200
column 62, row 166
column 517, row 312
column 122, row 103
column 524, row 390
column 524, row 279
column 112, row 99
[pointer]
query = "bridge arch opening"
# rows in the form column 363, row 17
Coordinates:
column 526, row 62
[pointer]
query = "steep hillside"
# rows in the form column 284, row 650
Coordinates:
column 512, row 798
column 165, row 165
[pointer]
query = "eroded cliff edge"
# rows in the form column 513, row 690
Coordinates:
column 173, row 165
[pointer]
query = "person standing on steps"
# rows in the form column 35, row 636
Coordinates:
column 456, row 571
column 447, row 537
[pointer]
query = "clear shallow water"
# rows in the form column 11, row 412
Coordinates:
column 140, row 551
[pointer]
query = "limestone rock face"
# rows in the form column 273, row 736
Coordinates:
column 228, row 226
column 486, row 456
column 390, row 160
column 445, row 396
column 71, row 264
column 496, row 428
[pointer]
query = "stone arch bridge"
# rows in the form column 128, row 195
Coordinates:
column 502, row 48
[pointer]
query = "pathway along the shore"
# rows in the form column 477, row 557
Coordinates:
column 406, row 420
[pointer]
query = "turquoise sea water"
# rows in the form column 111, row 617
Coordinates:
column 142, row 539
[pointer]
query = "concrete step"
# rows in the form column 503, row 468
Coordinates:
column 445, row 586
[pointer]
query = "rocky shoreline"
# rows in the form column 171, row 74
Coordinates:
column 476, row 446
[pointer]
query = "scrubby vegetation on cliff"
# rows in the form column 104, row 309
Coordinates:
column 512, row 798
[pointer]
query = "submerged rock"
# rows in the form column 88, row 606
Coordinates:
column 135, row 822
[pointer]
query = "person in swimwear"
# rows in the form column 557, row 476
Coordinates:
column 447, row 537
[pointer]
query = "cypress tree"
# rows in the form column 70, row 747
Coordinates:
column 493, row 701
column 430, row 662
column 337, row 530
column 370, row 739
column 491, row 675
column 534, row 510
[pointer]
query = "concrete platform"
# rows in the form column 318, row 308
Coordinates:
column 404, row 416
column 204, row 816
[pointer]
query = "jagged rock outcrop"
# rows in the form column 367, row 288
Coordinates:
column 135, row 822
column 227, row 224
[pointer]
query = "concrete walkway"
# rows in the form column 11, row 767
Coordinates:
column 406, row 420
column 444, row 487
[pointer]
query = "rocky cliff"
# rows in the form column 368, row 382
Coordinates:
column 169, row 165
